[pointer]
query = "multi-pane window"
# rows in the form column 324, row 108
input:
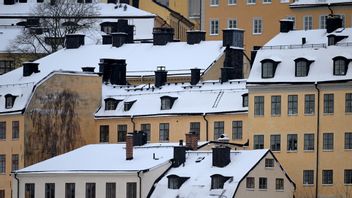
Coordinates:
column 70, row 189
column 266, row 1
column 121, row 132
column 343, row 20
column 258, row 105
column 245, row 100
column 217, row 181
column 348, row 176
column 275, row 142
column 110, row 190
column 328, row 176
column 275, row 105
column 328, row 103
column 292, row 105
column 214, row 2
column 308, row 177
column 164, row 132
column 146, row 128
column 268, row 69
column 309, row 142
column 251, row 1
column 250, row 182
column 293, row 18
column 302, row 68
column 49, row 190
column 111, row 104
column 2, row 130
column 237, row 130
column 348, row 103
column 279, row 184
column 348, row 140
column 322, row 21
column 309, row 104
column 131, row 190
column 340, row 66
column 194, row 8
column 29, row 189
column 258, row 141
column 15, row 129
column 328, row 141
column 90, row 190
column 292, row 142
column 104, row 133
column 269, row 163
column 257, row 26
column 173, row 182
column 263, row 183
column 2, row 164
column 214, row 27
column 166, row 103
column 232, row 2
column 194, row 127
column 308, row 22
column 14, row 162
column 232, row 23
column 218, row 129
column 6, row 66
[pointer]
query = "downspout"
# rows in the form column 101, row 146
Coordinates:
column 318, row 136
column 140, row 183
column 133, row 123
column 178, row 29
column 18, row 186
column 206, row 127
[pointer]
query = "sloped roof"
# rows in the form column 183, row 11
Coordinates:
column 313, row 3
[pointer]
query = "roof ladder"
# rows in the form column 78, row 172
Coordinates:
column 218, row 98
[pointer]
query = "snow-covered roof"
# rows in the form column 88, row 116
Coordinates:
column 199, row 182
column 308, row 3
column 7, row 35
column 205, row 97
column 285, row 48
column 98, row 158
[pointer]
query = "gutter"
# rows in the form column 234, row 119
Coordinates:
column 318, row 136
column 133, row 123
column 18, row 185
column 206, row 127
column 140, row 183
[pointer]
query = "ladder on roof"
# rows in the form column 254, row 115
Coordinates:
column 218, row 98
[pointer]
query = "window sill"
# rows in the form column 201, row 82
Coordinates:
column 348, row 113
column 296, row 114
column 348, row 184
column 263, row 189
column 276, row 151
column 251, row 4
column 281, row 190
column 250, row 189
column 15, row 139
column 330, row 150
column 214, row 5
column 257, row 34
column 292, row 151
column 213, row 34
column 328, row 114
column 270, row 168
column 231, row 4
column 309, row 151
column 267, row 3
column 276, row 115
column 327, row 185
column 309, row 114
column 308, row 185
column 259, row 116
column 348, row 150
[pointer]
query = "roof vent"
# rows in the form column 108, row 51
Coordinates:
column 30, row 68
column 195, row 37
column 74, row 41
column 162, row 35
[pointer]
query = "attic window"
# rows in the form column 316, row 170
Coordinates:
column 340, row 65
column 175, row 182
column 302, row 67
column 127, row 105
column 218, row 181
column 245, row 100
column 268, row 68
column 167, row 102
column 9, row 101
column 111, row 103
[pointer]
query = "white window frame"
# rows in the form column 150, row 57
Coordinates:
column 231, row 22
column 231, row 2
column 284, row 1
column 293, row 18
column 267, row 1
column 213, row 29
column 251, row 2
column 214, row 3
column 307, row 22
column 257, row 28
column 322, row 21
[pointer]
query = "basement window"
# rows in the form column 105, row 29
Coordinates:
column 268, row 68
column 167, row 102
column 218, row 181
column 175, row 182
column 9, row 101
column 111, row 103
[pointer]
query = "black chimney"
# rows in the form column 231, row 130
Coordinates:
column 114, row 71
column 254, row 53
column 118, row 39
column 74, row 41
column 233, row 37
column 179, row 156
column 88, row 69
column 160, row 76
column 286, row 25
column 233, row 64
column 162, row 35
column 195, row 37
column 30, row 68
column 107, row 39
column 227, row 74
column 221, row 156
column 304, row 40
column 9, row 2
column 125, row 1
column 139, row 138
column 195, row 76
column 122, row 26
column 333, row 22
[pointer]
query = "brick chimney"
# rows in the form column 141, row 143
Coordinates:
column 192, row 141
column 129, row 146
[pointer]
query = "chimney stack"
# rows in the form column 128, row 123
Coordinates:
column 195, row 76
column 160, row 76
column 195, row 36
column 30, row 68
column 88, row 69
column 107, row 39
column 333, row 22
column 114, row 71
column 162, row 35
column 122, row 26
column 74, row 41
column 179, row 156
column 118, row 39
column 129, row 146
column 221, row 156
column 286, row 25
column 233, row 37
column 192, row 141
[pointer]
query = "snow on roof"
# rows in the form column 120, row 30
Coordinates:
column 199, row 182
column 7, row 35
column 104, row 158
column 300, row 3
column 205, row 97
column 287, row 47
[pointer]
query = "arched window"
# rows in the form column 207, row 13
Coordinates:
column 340, row 65
column 9, row 101
column 111, row 103
column 302, row 67
column 218, row 181
column 167, row 102
column 175, row 182
column 268, row 68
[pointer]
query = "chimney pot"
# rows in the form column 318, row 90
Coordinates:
column 192, row 141
column 118, row 39
column 88, row 69
column 160, row 76
column 129, row 146
column 233, row 37
column 107, row 39
column 74, row 41
column 30, row 68
column 333, row 22
column 162, row 35
column 195, row 37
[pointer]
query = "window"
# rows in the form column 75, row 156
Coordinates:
column 167, row 102
column 49, row 190
column 348, row 103
column 218, row 129
column 2, row 130
column 259, row 105
column 250, row 182
column 258, row 142
column 111, row 104
column 328, row 103
column 275, row 105
column 127, row 105
column 2, row 193
column 293, row 18
column 2, row 164
column 275, row 142
column 348, row 140
column 309, row 142
column 302, row 67
column 104, row 133
column 343, row 20
column 70, row 190
column 90, row 190
column 110, row 190
column 322, row 21
column 131, row 190
column 121, row 133
column 15, row 162
column 6, row 66
column 309, row 104
column 257, row 25
column 328, row 141
column 175, row 182
column 214, row 27
column 268, row 68
column 245, row 100
column 348, row 176
column 164, row 132
column 279, row 184
column 237, row 128
column 218, row 181
column 308, row 177
column 15, row 129
column 232, row 2
column 146, row 128
column 194, row 127
column 232, row 23
column 307, row 22
column 266, row 1
column 327, row 177
column 214, row 2
column 263, row 183
column 194, row 8
column 251, row 1
column 9, row 101
column 29, row 190
column 292, row 142
column 269, row 163
column 292, row 105
column 340, row 66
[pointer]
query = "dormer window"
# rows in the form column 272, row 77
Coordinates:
column 111, row 103
column 167, row 102
column 218, row 181
column 127, row 105
column 9, row 101
column 302, row 67
column 333, row 39
column 175, row 182
column 245, row 100
column 340, row 65
column 268, row 68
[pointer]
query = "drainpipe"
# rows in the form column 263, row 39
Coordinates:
column 18, row 186
column 133, row 123
column 318, row 136
column 206, row 127
column 140, row 183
